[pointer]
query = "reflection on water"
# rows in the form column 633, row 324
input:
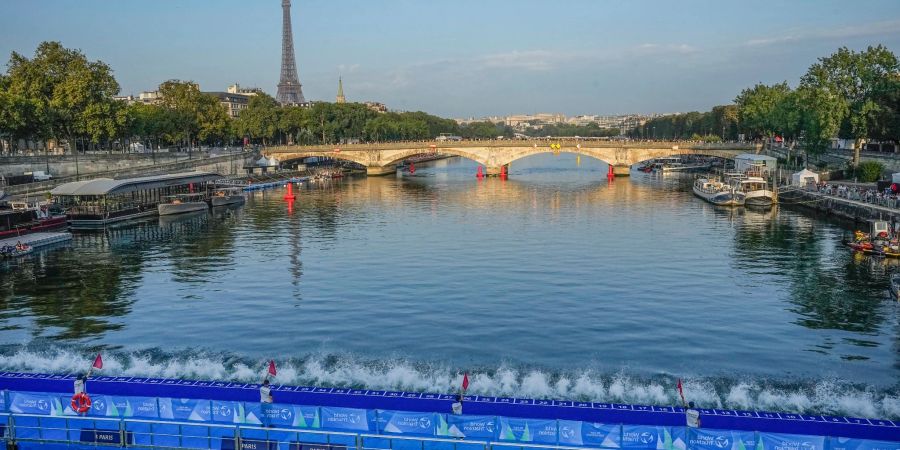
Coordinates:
column 554, row 270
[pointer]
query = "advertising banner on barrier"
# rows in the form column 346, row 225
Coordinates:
column 782, row 441
column 30, row 403
column 472, row 427
column 706, row 439
column 281, row 415
column 577, row 433
column 862, row 444
column 407, row 423
column 350, row 419
column 227, row 412
column 2, row 401
column 185, row 409
column 653, row 437
column 527, row 430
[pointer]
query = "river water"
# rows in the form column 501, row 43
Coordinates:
column 552, row 284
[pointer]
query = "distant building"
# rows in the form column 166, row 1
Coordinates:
column 128, row 99
column 340, row 94
column 237, row 89
column 377, row 107
column 233, row 103
column 150, row 97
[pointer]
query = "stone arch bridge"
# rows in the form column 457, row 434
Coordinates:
column 381, row 159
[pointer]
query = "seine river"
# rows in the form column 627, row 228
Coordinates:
column 552, row 284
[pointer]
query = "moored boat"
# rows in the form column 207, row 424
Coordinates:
column 10, row 251
column 182, row 203
column 227, row 196
column 756, row 190
column 717, row 192
column 24, row 218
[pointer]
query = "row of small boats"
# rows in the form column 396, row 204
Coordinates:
column 735, row 189
column 183, row 203
column 880, row 242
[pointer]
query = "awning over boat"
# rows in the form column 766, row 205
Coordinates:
column 108, row 186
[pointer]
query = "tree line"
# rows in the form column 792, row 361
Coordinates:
column 850, row 94
column 60, row 95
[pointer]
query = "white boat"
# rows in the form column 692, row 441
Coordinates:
column 227, row 196
column 756, row 190
column 182, row 203
column 717, row 192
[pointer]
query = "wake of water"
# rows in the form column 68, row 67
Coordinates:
column 831, row 397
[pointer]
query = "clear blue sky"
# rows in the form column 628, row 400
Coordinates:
column 464, row 58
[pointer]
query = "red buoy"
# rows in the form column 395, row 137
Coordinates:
column 290, row 192
column 503, row 172
column 479, row 174
column 610, row 175
column 412, row 167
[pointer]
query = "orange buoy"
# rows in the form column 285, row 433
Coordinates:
column 81, row 403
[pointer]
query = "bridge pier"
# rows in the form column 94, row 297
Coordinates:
column 492, row 171
column 378, row 171
column 621, row 170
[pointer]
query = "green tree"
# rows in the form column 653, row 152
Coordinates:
column 192, row 113
column 885, row 118
column 869, row 171
column 69, row 94
column 853, row 77
column 260, row 120
column 757, row 106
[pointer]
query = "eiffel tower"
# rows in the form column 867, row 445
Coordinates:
column 289, row 89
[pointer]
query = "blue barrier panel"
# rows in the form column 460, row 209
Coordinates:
column 407, row 423
column 30, row 403
column 227, row 412
column 139, row 433
column 188, row 409
column 783, row 441
column 577, row 434
column 472, row 427
column 348, row 419
column 861, row 444
column 707, row 439
column 3, row 402
column 527, row 430
column 653, row 437
column 54, row 428
column 282, row 415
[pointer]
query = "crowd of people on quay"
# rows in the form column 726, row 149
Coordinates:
column 888, row 197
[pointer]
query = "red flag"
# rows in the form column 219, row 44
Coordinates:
column 98, row 362
column 681, row 391
column 272, row 370
column 465, row 384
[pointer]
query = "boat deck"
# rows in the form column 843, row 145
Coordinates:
column 37, row 240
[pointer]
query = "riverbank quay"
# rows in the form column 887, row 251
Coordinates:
column 142, row 412
column 853, row 202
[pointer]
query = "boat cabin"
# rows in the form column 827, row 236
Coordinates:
column 98, row 202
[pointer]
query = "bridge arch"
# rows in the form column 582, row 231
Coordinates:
column 352, row 157
column 398, row 156
column 607, row 156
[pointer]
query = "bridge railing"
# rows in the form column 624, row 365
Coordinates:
column 568, row 142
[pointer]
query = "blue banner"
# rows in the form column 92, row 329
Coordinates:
column 227, row 412
column 28, row 403
column 472, row 427
column 653, row 437
column 407, row 423
column 576, row 433
column 351, row 419
column 527, row 430
column 862, row 444
column 781, row 441
column 2, row 401
column 281, row 415
column 185, row 409
column 706, row 439
column 113, row 406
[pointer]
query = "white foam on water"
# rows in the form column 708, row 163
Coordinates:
column 832, row 397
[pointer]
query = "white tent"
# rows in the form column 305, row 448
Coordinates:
column 804, row 177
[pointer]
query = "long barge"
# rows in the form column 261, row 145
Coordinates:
column 355, row 418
